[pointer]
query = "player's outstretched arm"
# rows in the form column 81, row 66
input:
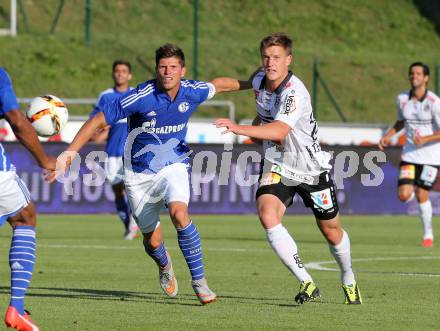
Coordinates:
column 26, row 134
column 275, row 131
column 228, row 84
column 386, row 139
column 87, row 131
column 101, row 135
column 82, row 137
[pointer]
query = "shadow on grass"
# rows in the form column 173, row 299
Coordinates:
column 156, row 298
column 110, row 295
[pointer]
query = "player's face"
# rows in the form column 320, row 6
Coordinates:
column 169, row 71
column 276, row 63
column 121, row 75
column 417, row 78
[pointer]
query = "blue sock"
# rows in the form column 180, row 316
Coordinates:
column 159, row 255
column 123, row 210
column 21, row 261
column 191, row 247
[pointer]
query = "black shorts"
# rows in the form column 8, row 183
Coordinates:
column 420, row 175
column 321, row 197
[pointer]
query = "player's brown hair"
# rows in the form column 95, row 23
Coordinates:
column 419, row 64
column 121, row 62
column 277, row 39
column 170, row 50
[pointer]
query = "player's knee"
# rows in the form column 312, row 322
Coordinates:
column 152, row 242
column 404, row 196
column 333, row 235
column 267, row 214
column 179, row 216
column 118, row 190
column 26, row 217
column 331, row 230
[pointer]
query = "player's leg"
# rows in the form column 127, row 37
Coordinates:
column 114, row 173
column 426, row 177
column 271, row 211
column 407, row 178
column 272, row 200
column 16, row 208
column 425, row 209
column 122, row 205
column 321, row 198
column 339, row 246
column 146, row 205
column 406, row 192
column 124, row 212
column 155, row 248
column 177, row 196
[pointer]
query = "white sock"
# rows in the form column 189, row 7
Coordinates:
column 286, row 249
column 426, row 217
column 342, row 255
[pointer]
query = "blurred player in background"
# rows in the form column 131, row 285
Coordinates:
column 116, row 135
column 418, row 112
column 16, row 207
column 156, row 161
column 293, row 163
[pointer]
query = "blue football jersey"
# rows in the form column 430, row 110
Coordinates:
column 157, row 125
column 8, row 102
column 118, row 132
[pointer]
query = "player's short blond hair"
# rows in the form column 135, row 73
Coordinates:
column 277, row 39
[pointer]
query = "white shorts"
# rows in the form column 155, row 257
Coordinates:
column 14, row 195
column 114, row 169
column 149, row 193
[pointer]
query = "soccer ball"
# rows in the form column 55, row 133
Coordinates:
column 48, row 115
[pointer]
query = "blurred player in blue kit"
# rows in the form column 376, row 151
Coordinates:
column 116, row 135
column 16, row 207
column 156, row 161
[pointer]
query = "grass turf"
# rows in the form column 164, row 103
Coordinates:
column 88, row 278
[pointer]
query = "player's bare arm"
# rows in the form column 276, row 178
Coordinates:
column 87, row 131
column 386, row 139
column 101, row 135
column 256, row 122
column 26, row 134
column 228, row 84
column 275, row 131
column 422, row 140
column 82, row 137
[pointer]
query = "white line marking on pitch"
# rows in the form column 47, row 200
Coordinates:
column 319, row 265
column 253, row 250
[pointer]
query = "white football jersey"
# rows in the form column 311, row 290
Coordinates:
column 300, row 152
column 421, row 117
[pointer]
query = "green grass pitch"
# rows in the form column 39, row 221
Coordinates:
column 88, row 278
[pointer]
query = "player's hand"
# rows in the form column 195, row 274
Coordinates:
column 384, row 142
column 63, row 163
column 420, row 140
column 49, row 163
column 228, row 124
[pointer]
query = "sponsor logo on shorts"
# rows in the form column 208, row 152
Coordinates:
column 269, row 179
column 407, row 172
column 322, row 199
